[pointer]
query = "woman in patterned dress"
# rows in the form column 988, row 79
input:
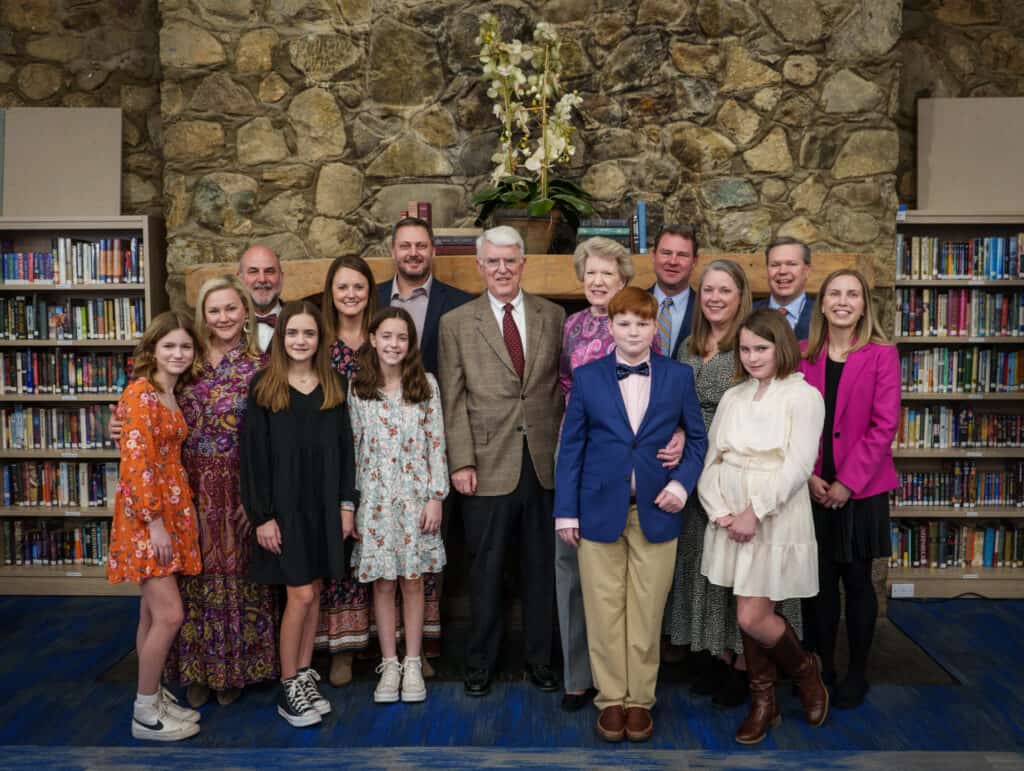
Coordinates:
column 229, row 638
column 402, row 477
column 349, row 302
column 702, row 615
column 603, row 267
column 153, row 534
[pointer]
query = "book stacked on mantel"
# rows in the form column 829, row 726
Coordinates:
column 450, row 241
column 419, row 209
column 631, row 232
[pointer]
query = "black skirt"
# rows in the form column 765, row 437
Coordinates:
column 857, row 531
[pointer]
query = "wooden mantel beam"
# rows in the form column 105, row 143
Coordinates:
column 550, row 275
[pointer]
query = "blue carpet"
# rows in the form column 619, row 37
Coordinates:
column 54, row 651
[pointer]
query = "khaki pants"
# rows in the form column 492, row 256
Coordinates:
column 625, row 586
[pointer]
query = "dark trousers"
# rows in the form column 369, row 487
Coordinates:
column 821, row 613
column 493, row 524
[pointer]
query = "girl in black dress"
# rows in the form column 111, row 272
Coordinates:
column 298, row 479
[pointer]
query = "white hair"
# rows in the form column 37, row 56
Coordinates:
column 502, row 235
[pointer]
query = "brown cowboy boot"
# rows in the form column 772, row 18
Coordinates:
column 802, row 667
column 764, row 712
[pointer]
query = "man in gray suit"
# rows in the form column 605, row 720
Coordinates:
column 498, row 368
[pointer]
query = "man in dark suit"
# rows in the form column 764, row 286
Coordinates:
column 498, row 360
column 789, row 266
column 675, row 254
column 414, row 287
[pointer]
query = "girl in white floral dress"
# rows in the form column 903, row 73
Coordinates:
column 402, row 477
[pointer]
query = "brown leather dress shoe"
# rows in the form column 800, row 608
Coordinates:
column 611, row 724
column 639, row 725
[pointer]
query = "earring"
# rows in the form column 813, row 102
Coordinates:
column 246, row 329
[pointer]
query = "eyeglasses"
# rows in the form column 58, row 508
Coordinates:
column 493, row 263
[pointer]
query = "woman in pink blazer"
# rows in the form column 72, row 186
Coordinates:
column 850, row 361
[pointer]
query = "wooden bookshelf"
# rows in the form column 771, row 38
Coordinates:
column 962, row 228
column 912, row 396
column 996, row 583
column 963, row 452
column 952, row 512
column 88, row 580
column 20, row 234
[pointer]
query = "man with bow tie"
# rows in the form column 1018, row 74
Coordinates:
column 617, row 503
column 498, row 366
column 260, row 270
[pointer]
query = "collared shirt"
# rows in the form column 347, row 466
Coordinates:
column 416, row 303
column 793, row 309
column 265, row 332
column 680, row 305
column 636, row 396
column 518, row 315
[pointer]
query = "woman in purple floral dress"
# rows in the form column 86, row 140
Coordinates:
column 349, row 302
column 229, row 637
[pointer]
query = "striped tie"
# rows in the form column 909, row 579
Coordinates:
column 665, row 326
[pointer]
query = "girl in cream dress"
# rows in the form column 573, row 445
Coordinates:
column 761, row 452
column 762, row 447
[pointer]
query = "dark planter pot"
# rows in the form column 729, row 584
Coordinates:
column 538, row 232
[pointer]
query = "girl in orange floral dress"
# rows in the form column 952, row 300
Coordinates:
column 154, row 534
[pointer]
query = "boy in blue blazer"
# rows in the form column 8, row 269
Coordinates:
column 615, row 501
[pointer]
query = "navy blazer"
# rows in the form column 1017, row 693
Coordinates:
column 599, row 450
column 443, row 298
column 803, row 324
column 684, row 328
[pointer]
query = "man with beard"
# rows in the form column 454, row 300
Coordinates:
column 789, row 265
column 260, row 271
column 414, row 287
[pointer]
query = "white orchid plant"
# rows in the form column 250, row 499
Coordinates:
column 526, row 103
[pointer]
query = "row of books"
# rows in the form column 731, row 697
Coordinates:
column 630, row 231
column 56, row 428
column 931, row 311
column 964, row 486
column 34, row 542
column 38, row 371
column 945, row 543
column 991, row 258
column 961, row 369
column 104, row 318
column 449, row 241
column 74, row 261
column 63, row 484
column 421, row 209
column 941, row 426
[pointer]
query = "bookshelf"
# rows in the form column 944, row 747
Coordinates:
column 75, row 295
column 960, row 449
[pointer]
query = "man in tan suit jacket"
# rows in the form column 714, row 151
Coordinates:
column 498, row 368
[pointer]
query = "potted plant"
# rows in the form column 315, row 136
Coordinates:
column 536, row 134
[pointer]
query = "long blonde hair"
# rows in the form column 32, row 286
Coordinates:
column 868, row 329
column 271, row 390
column 250, row 338
column 701, row 330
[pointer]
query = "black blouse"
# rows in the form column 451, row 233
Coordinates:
column 833, row 372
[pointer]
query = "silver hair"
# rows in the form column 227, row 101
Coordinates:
column 502, row 235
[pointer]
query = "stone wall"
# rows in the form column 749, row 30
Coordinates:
column 955, row 48
column 308, row 124
column 91, row 53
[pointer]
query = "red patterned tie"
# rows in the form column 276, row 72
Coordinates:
column 513, row 342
